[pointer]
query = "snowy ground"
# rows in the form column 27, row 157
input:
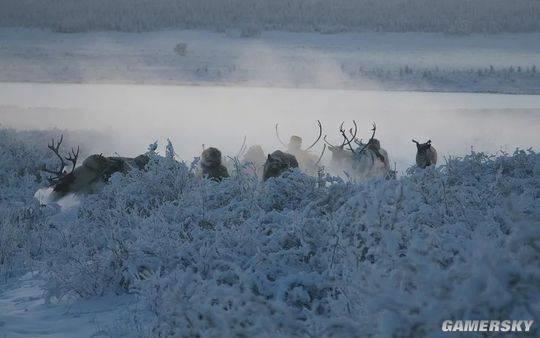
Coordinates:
column 397, row 61
column 297, row 256
column 293, row 256
column 25, row 312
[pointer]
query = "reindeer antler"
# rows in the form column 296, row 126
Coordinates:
column 347, row 141
column 72, row 157
column 417, row 143
column 55, row 147
column 318, row 138
column 370, row 139
column 279, row 138
column 322, row 154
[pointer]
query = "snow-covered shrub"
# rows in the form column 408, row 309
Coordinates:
column 24, row 224
column 299, row 256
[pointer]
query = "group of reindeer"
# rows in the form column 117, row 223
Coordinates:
column 356, row 158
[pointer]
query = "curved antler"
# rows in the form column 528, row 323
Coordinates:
column 417, row 143
column 318, row 138
column 347, row 141
column 326, row 141
column 370, row 139
column 279, row 138
column 353, row 135
column 320, row 157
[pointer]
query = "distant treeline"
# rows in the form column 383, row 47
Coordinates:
column 330, row 16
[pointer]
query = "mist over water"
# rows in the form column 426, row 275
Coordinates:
column 136, row 115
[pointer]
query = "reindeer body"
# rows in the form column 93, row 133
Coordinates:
column 306, row 160
column 92, row 174
column 211, row 166
column 277, row 163
column 426, row 154
column 367, row 160
column 256, row 158
column 341, row 159
column 373, row 161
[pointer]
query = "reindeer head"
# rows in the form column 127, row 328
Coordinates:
column 426, row 155
column 422, row 146
column 338, row 152
column 61, row 179
column 295, row 142
column 374, row 144
column 278, row 162
column 254, row 154
column 211, row 157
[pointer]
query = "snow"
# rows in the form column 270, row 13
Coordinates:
column 389, row 61
column 162, row 252
column 25, row 312
column 291, row 257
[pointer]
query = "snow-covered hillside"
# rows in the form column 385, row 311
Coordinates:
column 503, row 63
column 297, row 256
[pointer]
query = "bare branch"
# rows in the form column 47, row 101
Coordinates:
column 242, row 148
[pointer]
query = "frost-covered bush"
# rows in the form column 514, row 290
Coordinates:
column 299, row 256
column 23, row 222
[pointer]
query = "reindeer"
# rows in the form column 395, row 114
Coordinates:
column 211, row 165
column 277, row 163
column 308, row 162
column 426, row 154
column 371, row 160
column 90, row 175
column 254, row 158
column 367, row 160
column 341, row 158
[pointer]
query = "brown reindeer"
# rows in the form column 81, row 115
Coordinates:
column 90, row 175
column 277, row 163
column 426, row 154
column 211, row 165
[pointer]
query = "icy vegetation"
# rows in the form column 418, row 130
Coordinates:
column 252, row 16
column 296, row 256
column 502, row 63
